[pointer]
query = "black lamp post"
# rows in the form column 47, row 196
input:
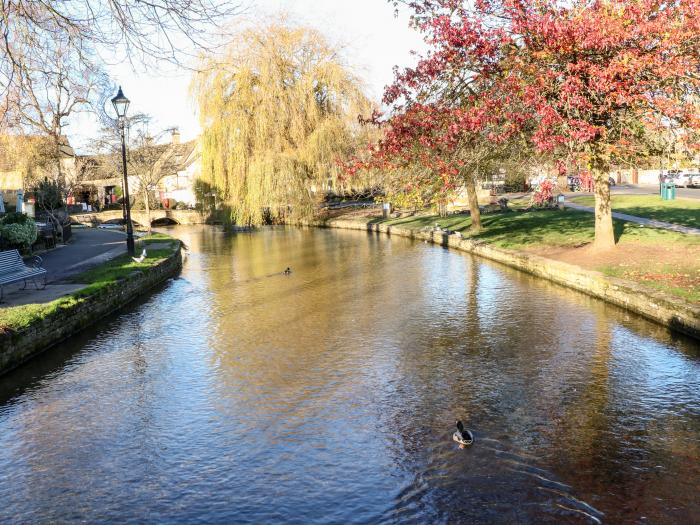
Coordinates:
column 121, row 104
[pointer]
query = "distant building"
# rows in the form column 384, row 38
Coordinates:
column 179, row 185
column 100, row 176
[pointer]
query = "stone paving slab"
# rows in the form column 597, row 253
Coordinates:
column 15, row 296
column 640, row 220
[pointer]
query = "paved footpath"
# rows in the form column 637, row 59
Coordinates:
column 88, row 248
column 640, row 220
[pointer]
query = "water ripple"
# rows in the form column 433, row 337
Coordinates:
column 236, row 394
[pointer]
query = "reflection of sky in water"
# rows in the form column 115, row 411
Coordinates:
column 650, row 373
column 236, row 393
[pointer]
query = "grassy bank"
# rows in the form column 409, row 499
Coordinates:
column 16, row 318
column 680, row 211
column 657, row 259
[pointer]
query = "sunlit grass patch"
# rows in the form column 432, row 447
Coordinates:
column 554, row 228
column 685, row 212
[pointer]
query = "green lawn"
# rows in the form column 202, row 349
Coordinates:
column 16, row 318
column 568, row 228
column 116, row 269
column 680, row 211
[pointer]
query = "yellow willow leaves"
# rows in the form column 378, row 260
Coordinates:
column 278, row 112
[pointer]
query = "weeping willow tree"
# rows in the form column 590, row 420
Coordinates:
column 279, row 114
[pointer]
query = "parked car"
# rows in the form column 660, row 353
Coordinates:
column 574, row 183
column 681, row 179
column 694, row 179
column 668, row 175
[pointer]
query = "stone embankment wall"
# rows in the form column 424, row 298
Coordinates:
column 18, row 347
column 656, row 306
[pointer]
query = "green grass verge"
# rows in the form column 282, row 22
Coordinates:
column 16, row 318
column 116, row 269
column 553, row 228
column 153, row 238
column 680, row 211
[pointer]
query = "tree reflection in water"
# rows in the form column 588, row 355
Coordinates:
column 235, row 393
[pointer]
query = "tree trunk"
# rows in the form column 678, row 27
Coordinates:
column 604, row 233
column 473, row 203
column 148, row 211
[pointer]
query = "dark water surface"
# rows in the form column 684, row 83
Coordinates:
column 236, row 394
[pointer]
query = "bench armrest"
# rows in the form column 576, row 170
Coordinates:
column 36, row 261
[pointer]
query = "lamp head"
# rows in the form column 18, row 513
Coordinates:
column 120, row 103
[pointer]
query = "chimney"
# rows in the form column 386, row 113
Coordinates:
column 175, row 136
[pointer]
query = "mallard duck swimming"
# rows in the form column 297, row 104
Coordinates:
column 463, row 436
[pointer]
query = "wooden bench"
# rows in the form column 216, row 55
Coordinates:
column 13, row 270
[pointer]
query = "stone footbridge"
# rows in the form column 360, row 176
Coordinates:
column 139, row 217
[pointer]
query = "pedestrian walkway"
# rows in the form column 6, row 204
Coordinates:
column 640, row 220
column 88, row 248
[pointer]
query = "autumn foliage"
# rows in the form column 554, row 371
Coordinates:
column 577, row 80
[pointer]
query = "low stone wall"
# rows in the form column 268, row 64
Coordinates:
column 18, row 347
column 656, row 306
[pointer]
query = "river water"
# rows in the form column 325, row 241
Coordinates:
column 238, row 394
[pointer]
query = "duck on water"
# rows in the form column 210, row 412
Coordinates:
column 463, row 436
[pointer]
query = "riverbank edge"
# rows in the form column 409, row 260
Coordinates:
column 659, row 307
column 19, row 347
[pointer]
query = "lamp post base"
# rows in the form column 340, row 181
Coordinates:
column 130, row 244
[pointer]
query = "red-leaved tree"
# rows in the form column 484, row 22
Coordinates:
column 593, row 76
column 449, row 116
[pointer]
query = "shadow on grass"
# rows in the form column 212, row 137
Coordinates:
column 548, row 227
column 683, row 216
column 551, row 228
column 683, row 211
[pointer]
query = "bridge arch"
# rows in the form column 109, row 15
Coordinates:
column 164, row 221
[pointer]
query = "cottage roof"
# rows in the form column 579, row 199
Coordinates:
column 103, row 166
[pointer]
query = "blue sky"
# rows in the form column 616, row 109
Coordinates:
column 374, row 40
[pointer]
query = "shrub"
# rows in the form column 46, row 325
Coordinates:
column 544, row 194
column 49, row 195
column 18, row 230
column 16, row 218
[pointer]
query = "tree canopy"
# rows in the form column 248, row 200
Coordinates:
column 55, row 49
column 578, row 79
column 279, row 113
